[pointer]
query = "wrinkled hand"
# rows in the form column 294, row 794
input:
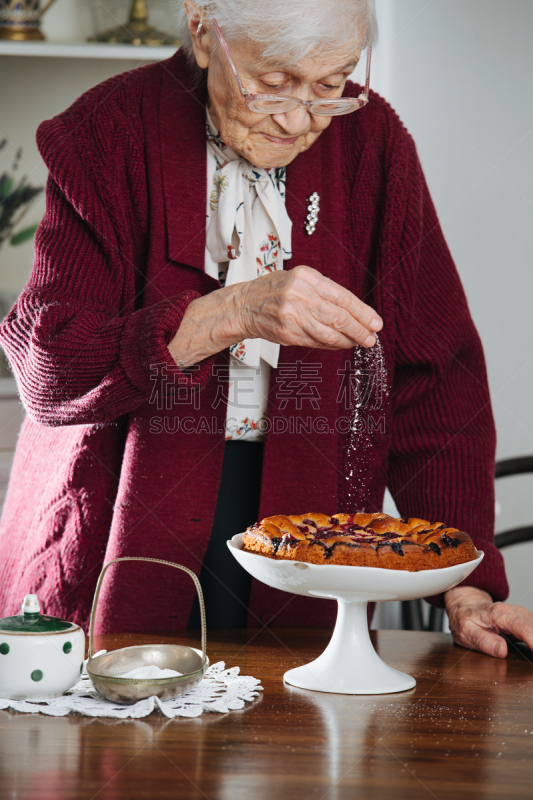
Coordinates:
column 299, row 307
column 302, row 307
column 476, row 621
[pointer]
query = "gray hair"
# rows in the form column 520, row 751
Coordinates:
column 287, row 30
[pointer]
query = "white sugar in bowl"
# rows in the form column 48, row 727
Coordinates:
column 40, row 656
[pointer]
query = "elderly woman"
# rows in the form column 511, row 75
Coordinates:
column 225, row 234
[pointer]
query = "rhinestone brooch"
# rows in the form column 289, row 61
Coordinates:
column 312, row 213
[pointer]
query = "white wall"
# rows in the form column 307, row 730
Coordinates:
column 42, row 88
column 460, row 75
column 35, row 89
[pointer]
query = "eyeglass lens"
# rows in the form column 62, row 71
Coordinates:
column 281, row 106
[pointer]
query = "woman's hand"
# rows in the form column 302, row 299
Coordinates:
column 302, row 307
column 299, row 307
column 476, row 621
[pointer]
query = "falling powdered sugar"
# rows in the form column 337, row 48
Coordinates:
column 368, row 388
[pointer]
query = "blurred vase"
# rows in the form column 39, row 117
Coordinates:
column 137, row 30
column 21, row 19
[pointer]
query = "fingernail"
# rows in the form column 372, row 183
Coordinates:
column 370, row 341
column 375, row 325
column 497, row 649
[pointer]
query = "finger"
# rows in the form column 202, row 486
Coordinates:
column 341, row 321
column 303, row 296
column 476, row 637
column 360, row 311
column 325, row 337
column 512, row 619
column 305, row 331
column 335, row 293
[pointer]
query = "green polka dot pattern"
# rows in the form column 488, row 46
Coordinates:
column 37, row 675
column 4, row 648
column 67, row 647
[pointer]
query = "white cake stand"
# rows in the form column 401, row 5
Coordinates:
column 349, row 664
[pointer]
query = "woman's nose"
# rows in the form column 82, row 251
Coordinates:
column 293, row 122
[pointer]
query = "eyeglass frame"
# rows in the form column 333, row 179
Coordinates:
column 250, row 97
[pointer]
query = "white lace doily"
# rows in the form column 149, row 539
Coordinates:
column 221, row 690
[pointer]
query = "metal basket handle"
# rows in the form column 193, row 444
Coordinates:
column 155, row 561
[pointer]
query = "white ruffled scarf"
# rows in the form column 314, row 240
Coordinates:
column 248, row 228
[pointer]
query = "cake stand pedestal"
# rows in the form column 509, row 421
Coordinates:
column 351, row 658
column 349, row 664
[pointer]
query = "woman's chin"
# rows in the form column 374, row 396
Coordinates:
column 269, row 155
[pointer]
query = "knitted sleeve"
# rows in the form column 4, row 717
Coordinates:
column 442, row 456
column 81, row 348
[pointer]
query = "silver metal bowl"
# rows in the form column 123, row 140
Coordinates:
column 105, row 670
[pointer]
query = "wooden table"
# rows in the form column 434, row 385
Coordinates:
column 465, row 731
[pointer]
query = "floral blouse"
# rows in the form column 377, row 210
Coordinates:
column 248, row 385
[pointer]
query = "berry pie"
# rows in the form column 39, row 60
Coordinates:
column 364, row 540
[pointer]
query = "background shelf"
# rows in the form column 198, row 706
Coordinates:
column 86, row 50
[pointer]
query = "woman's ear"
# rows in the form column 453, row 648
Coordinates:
column 199, row 33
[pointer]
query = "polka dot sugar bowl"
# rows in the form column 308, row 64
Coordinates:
column 40, row 656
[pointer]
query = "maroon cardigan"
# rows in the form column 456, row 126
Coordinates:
column 119, row 255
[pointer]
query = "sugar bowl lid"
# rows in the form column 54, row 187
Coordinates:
column 32, row 621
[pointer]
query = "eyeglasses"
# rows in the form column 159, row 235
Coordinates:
column 274, row 104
